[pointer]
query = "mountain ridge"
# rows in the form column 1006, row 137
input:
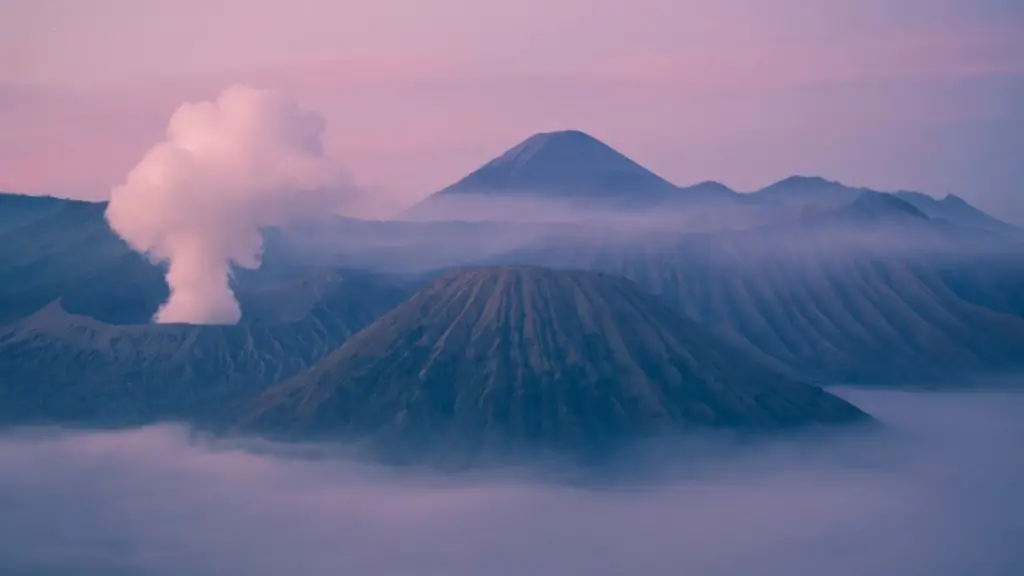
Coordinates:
column 56, row 365
column 573, row 166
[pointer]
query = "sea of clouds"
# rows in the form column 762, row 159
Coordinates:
column 938, row 492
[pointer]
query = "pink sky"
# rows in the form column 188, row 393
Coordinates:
column 895, row 94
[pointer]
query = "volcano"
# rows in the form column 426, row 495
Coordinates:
column 528, row 357
column 567, row 166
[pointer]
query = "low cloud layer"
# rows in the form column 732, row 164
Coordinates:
column 937, row 494
column 197, row 200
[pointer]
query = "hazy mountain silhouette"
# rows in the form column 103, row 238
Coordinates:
column 568, row 360
column 871, row 207
column 574, row 170
column 568, row 166
column 816, row 194
column 709, row 190
column 955, row 209
column 65, row 249
column 800, row 188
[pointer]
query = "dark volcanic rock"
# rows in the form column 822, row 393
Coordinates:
column 17, row 210
column 56, row 366
column 529, row 357
column 70, row 252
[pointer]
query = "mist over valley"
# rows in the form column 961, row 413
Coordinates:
column 935, row 493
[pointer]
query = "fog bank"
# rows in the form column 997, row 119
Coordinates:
column 938, row 493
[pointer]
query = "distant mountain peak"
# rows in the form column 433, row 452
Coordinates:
column 806, row 180
column 709, row 188
column 562, row 142
column 955, row 209
column 562, row 163
column 800, row 182
column 871, row 205
column 54, row 320
column 557, row 138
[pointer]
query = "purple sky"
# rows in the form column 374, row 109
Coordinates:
column 920, row 94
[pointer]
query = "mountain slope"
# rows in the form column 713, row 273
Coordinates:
column 868, row 211
column 875, row 206
column 957, row 210
column 71, row 253
column 828, row 311
column 17, row 210
column 817, row 194
column 58, row 366
column 486, row 358
column 807, row 189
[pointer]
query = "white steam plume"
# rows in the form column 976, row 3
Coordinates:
column 198, row 199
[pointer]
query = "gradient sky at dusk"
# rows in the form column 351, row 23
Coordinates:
column 893, row 94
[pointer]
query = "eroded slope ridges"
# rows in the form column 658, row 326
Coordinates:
column 530, row 356
column 857, row 316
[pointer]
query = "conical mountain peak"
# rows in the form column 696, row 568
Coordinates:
column 878, row 207
column 562, row 163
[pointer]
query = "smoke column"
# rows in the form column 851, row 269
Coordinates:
column 198, row 199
